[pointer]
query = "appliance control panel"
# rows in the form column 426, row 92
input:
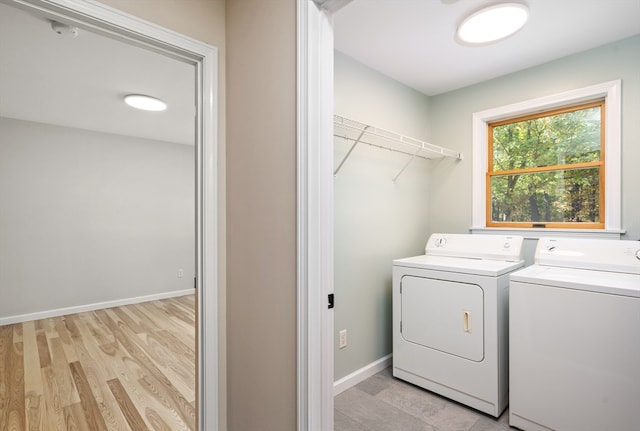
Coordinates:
column 494, row 247
column 597, row 254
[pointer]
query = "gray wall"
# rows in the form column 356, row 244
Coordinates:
column 369, row 234
column 91, row 217
column 376, row 220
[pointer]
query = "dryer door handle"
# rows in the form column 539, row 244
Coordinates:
column 466, row 321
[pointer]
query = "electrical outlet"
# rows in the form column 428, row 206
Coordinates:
column 180, row 273
column 343, row 338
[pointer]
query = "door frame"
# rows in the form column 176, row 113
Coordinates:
column 127, row 28
column 315, row 213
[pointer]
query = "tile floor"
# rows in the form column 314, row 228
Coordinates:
column 384, row 403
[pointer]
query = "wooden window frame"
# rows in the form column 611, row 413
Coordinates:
column 611, row 91
column 600, row 164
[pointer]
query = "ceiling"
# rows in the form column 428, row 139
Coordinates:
column 412, row 41
column 80, row 82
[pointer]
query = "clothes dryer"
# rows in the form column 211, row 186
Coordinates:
column 450, row 318
column 575, row 337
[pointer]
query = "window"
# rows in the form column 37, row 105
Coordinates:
column 547, row 169
column 550, row 164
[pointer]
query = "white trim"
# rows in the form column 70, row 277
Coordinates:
column 207, row 273
column 362, row 374
column 532, row 233
column 332, row 5
column 610, row 91
column 119, row 25
column 19, row 318
column 314, row 217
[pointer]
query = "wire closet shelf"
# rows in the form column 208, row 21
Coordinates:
column 358, row 132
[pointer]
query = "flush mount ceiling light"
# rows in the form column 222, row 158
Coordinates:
column 146, row 103
column 492, row 23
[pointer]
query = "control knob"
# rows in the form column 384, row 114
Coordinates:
column 440, row 242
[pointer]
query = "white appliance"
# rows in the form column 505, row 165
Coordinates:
column 450, row 318
column 575, row 337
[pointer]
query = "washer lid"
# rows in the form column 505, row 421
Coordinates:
column 615, row 283
column 486, row 267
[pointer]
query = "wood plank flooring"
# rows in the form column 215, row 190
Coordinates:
column 123, row 368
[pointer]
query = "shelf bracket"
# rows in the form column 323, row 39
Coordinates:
column 413, row 156
column 350, row 150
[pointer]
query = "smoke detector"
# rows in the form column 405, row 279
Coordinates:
column 64, row 29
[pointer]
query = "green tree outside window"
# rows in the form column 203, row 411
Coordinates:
column 547, row 170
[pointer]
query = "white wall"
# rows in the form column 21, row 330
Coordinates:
column 376, row 220
column 90, row 217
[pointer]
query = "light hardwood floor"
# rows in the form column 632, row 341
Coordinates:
column 122, row 368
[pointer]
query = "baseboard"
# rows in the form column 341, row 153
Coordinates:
column 362, row 374
column 90, row 307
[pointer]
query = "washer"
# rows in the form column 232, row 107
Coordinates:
column 575, row 337
column 450, row 318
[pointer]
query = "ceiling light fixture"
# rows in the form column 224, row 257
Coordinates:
column 146, row 103
column 492, row 23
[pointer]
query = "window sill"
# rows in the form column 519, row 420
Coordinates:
column 537, row 233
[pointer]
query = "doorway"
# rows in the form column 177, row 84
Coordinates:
column 202, row 60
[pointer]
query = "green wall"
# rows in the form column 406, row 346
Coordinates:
column 373, row 224
column 451, row 113
column 376, row 220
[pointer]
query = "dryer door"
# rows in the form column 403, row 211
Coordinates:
column 443, row 315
